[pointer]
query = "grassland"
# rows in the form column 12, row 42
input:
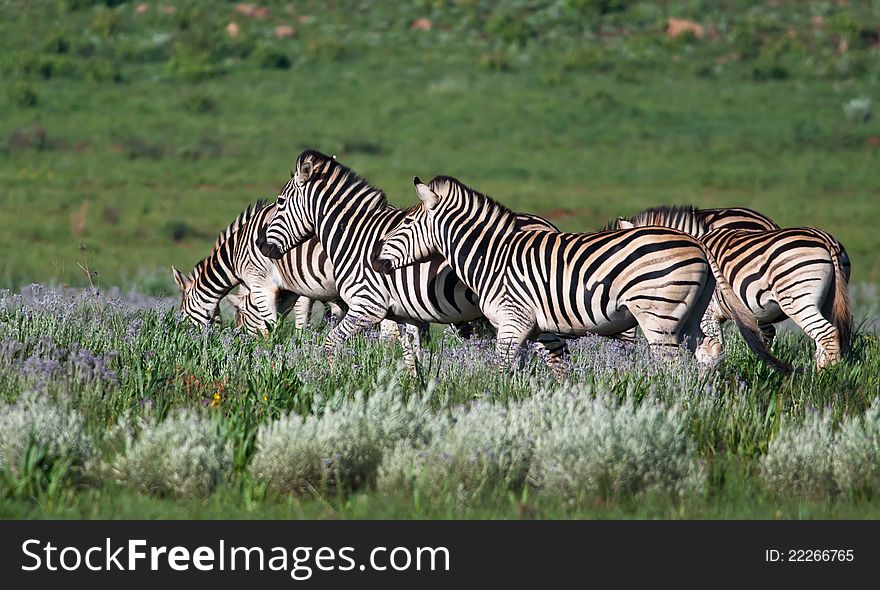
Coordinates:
column 150, row 131
column 130, row 137
column 112, row 407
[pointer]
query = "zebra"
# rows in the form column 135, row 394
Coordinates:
column 532, row 282
column 727, row 217
column 269, row 288
column 326, row 199
column 799, row 273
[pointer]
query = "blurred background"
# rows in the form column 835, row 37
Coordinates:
column 133, row 132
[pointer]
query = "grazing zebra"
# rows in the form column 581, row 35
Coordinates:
column 305, row 310
column 529, row 282
column 270, row 287
column 350, row 217
column 798, row 273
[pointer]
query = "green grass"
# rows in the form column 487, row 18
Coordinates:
column 128, row 177
column 128, row 141
column 123, row 369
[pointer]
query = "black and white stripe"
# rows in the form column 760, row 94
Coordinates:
column 530, row 283
column 269, row 287
column 350, row 218
column 797, row 273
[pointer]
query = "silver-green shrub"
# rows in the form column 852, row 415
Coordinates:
column 591, row 446
column 184, row 456
column 36, row 430
column 342, row 447
column 857, row 453
column 393, row 418
column 800, row 460
column 485, row 449
column 316, row 454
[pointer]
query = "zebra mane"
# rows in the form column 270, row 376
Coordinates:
column 665, row 215
column 502, row 208
column 325, row 165
column 237, row 223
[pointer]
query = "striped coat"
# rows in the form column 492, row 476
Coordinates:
column 268, row 288
column 534, row 282
column 799, row 273
column 349, row 217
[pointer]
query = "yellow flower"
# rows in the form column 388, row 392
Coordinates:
column 216, row 401
column 265, row 397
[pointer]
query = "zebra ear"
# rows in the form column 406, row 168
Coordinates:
column 428, row 197
column 624, row 223
column 183, row 281
column 305, row 170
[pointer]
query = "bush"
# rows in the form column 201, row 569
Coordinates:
column 592, row 447
column 494, row 61
column 508, row 27
column 800, row 459
column 341, row 449
column 178, row 230
column 328, row 48
column 857, row 453
column 198, row 102
column 182, row 456
column 57, row 44
column 858, row 110
column 22, row 94
column 487, row 450
column 41, row 444
column 333, row 453
column 272, row 59
column 102, row 70
column 192, row 65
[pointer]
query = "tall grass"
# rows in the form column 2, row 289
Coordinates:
column 109, row 396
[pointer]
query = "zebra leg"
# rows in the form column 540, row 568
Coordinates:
column 389, row 331
column 553, row 350
column 711, row 349
column 662, row 330
column 412, row 346
column 336, row 312
column 508, row 344
column 302, row 312
column 808, row 317
column 351, row 324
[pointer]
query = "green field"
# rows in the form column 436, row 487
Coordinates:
column 131, row 136
column 151, row 131
column 113, row 410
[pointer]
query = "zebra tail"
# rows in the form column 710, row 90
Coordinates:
column 841, row 307
column 743, row 318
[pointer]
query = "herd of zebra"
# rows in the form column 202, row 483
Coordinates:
column 457, row 256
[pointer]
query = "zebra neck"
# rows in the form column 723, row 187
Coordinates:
column 474, row 242
column 348, row 228
column 219, row 271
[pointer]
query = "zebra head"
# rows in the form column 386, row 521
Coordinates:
column 293, row 221
column 414, row 239
column 247, row 313
column 196, row 306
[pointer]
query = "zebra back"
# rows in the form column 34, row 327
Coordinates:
column 735, row 218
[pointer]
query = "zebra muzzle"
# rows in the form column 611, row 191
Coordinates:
column 266, row 249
